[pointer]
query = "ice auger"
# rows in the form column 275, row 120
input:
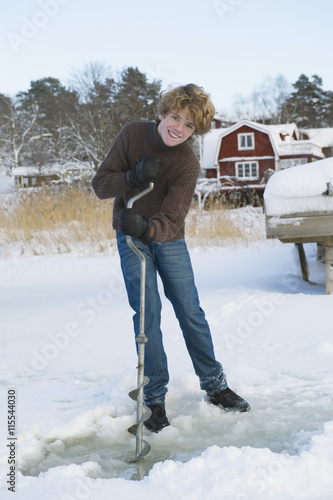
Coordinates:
column 142, row 447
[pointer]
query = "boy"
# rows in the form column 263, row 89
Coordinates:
column 159, row 152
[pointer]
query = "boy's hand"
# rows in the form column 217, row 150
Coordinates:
column 133, row 224
column 148, row 169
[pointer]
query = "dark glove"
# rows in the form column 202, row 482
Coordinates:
column 133, row 224
column 148, row 169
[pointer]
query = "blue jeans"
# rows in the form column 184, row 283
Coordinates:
column 172, row 262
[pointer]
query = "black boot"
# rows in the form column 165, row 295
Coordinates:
column 230, row 400
column 158, row 419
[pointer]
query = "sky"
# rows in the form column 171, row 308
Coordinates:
column 227, row 46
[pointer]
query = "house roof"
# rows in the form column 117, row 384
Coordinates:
column 323, row 137
column 31, row 171
column 209, row 147
column 46, row 170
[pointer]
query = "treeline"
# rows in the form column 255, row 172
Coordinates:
column 52, row 123
column 276, row 101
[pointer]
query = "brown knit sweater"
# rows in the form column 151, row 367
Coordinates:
column 168, row 203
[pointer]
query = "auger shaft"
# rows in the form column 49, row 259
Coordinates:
column 142, row 447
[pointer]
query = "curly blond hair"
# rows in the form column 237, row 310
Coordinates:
column 194, row 100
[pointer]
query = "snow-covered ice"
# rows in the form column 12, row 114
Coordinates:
column 67, row 348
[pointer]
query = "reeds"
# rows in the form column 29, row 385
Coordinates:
column 60, row 220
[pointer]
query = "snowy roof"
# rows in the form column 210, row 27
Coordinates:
column 209, row 147
column 33, row 171
column 321, row 136
column 30, row 171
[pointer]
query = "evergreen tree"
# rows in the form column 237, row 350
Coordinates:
column 329, row 109
column 53, row 104
column 136, row 98
column 52, row 101
column 307, row 104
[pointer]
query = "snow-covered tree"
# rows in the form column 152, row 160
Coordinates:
column 16, row 129
column 106, row 105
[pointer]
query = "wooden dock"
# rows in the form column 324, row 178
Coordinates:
column 308, row 227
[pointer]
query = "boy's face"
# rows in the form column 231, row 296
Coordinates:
column 175, row 128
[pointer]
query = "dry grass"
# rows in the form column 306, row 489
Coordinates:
column 224, row 227
column 44, row 221
column 56, row 221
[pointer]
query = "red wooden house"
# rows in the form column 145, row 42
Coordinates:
column 242, row 157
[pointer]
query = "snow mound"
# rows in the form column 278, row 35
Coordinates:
column 300, row 189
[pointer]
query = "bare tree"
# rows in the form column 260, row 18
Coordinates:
column 266, row 102
column 274, row 93
column 248, row 107
column 16, row 130
column 105, row 105
column 92, row 125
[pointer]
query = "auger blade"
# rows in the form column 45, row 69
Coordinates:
column 134, row 394
column 146, row 448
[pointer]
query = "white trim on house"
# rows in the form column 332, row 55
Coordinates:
column 246, row 158
column 245, row 167
column 245, row 141
column 297, row 148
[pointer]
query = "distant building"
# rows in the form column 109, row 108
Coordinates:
column 34, row 176
column 69, row 173
column 243, row 156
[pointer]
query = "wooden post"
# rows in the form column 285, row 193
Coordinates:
column 303, row 261
column 321, row 253
column 329, row 268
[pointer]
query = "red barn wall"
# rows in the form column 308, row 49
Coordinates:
column 262, row 147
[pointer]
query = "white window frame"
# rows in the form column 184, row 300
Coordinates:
column 292, row 162
column 245, row 135
column 240, row 168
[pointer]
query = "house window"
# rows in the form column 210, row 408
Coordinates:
column 292, row 162
column 245, row 141
column 247, row 170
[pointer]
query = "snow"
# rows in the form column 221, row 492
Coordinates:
column 210, row 142
column 321, row 136
column 67, row 349
column 300, row 189
column 55, row 168
column 7, row 184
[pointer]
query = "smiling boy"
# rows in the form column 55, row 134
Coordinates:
column 175, row 128
column 159, row 152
